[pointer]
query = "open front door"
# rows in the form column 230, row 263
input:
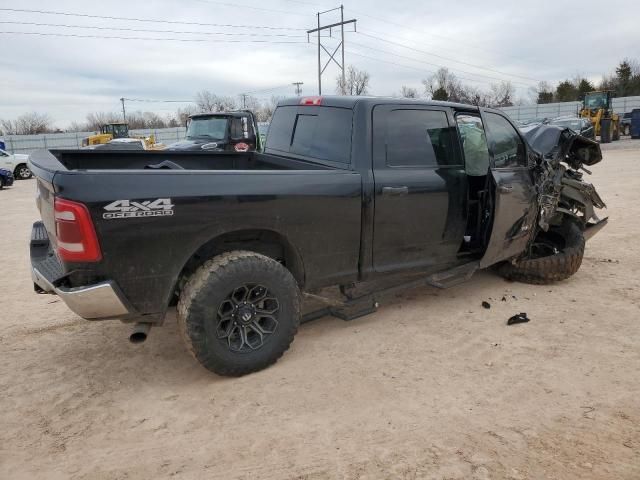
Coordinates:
column 515, row 197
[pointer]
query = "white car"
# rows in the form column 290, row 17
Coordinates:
column 16, row 163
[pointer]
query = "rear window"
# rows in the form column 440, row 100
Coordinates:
column 322, row 133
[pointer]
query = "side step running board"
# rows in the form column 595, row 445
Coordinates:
column 363, row 300
column 453, row 277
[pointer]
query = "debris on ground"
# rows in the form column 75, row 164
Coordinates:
column 518, row 318
column 486, row 305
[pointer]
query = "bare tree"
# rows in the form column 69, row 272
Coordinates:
column 182, row 114
column 251, row 103
column 502, row 95
column 30, row 123
column 95, row 120
column 409, row 92
column 356, row 82
column 265, row 112
column 207, row 101
column 444, row 85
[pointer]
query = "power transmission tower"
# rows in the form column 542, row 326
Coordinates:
column 298, row 86
column 124, row 112
column 321, row 47
column 244, row 100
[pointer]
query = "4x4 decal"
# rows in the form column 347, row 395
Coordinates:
column 160, row 207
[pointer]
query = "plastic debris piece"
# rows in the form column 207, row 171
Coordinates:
column 486, row 305
column 518, row 318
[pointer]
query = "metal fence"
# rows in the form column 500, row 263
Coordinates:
column 30, row 143
column 551, row 110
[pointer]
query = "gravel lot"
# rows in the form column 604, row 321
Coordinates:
column 430, row 386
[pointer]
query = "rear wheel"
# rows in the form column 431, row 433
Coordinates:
column 22, row 172
column 1, row 183
column 554, row 256
column 238, row 313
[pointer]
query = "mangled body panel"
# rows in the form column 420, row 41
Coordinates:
column 557, row 158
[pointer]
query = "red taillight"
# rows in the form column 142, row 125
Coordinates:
column 77, row 239
column 311, row 101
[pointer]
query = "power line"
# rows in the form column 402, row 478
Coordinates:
column 155, row 39
column 422, row 32
column 377, row 59
column 439, row 66
column 130, row 19
column 236, row 5
column 151, row 30
column 447, row 58
column 264, row 90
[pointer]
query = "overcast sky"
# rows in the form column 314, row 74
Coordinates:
column 482, row 41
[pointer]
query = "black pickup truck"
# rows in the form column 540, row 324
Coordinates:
column 220, row 132
column 349, row 191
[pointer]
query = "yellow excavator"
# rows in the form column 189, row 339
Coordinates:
column 114, row 130
column 596, row 106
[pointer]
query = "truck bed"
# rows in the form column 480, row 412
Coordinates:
column 176, row 160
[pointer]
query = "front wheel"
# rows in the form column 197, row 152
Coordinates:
column 22, row 172
column 554, row 256
column 238, row 313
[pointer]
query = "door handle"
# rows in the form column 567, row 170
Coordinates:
column 505, row 189
column 395, row 191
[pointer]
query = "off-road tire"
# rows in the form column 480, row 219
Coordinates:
column 552, row 268
column 17, row 173
column 210, row 285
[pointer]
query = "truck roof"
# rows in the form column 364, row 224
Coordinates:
column 235, row 113
column 352, row 101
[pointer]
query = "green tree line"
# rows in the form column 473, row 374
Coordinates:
column 624, row 82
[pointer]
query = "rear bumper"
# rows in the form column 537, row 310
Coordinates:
column 93, row 302
column 99, row 301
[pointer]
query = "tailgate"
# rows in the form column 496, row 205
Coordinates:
column 44, row 167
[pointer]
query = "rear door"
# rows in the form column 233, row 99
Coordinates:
column 515, row 201
column 420, row 188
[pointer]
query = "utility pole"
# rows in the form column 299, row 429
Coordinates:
column 124, row 112
column 298, row 87
column 332, row 56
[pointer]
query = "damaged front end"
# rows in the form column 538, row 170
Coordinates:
column 558, row 160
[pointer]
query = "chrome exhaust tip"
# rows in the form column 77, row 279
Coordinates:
column 140, row 332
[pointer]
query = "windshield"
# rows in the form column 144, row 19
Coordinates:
column 211, row 128
column 596, row 100
column 572, row 123
column 120, row 131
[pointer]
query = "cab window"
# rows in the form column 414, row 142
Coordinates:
column 506, row 145
column 418, row 138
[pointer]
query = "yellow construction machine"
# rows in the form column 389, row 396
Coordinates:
column 112, row 131
column 596, row 106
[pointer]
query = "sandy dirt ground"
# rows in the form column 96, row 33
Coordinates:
column 431, row 386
